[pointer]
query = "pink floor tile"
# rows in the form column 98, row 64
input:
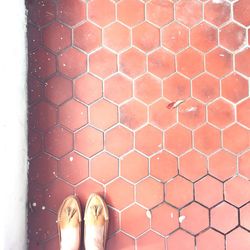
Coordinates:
column 145, row 102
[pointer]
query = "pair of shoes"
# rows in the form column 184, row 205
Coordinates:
column 69, row 222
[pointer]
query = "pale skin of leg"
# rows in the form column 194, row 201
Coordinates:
column 93, row 240
column 69, row 237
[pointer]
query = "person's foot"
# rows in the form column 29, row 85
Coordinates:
column 69, row 224
column 96, row 220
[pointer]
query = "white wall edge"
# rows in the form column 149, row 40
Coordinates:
column 13, row 128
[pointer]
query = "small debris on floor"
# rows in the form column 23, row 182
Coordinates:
column 173, row 105
column 148, row 213
column 182, row 218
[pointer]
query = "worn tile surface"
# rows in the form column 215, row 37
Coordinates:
column 104, row 77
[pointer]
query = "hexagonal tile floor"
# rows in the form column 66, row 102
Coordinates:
column 145, row 102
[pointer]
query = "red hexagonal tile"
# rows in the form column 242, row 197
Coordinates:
column 71, row 13
column 55, row 193
column 163, row 166
column 237, row 191
column 176, row 87
column 88, row 88
column 103, row 114
column 148, row 140
column 42, row 12
column 72, row 62
column 34, row 38
column 96, row 10
column 89, row 141
column 245, row 216
column 203, row 37
column 58, row 89
column 35, row 196
column 244, row 161
column 243, row 111
column 179, row 192
column 42, row 116
column 134, row 213
column 232, row 36
column 190, row 69
column 120, row 241
column 160, row 115
column 87, row 36
column 41, row 174
column 73, row 115
column 208, row 191
column 133, row 114
column 33, row 244
column 241, row 9
column 150, row 239
column 119, row 140
column 35, row 89
column 234, row 87
column 52, row 244
column 118, row 88
column 134, row 166
column 217, row 13
column 165, row 219
column 242, row 62
column 102, row 63
column 175, row 37
column 178, row 139
column 114, row 222
column 237, row 143
column 56, row 37
column 114, row 191
column 42, row 63
column 149, row 192
column 239, row 238
column 188, row 12
column 159, row 13
column 207, row 139
column 147, row 88
column 215, row 239
column 104, row 167
column 146, row 37
column 193, row 165
column 129, row 6
column 161, row 63
column 192, row 113
column 53, row 141
column 224, row 217
column 42, row 226
column 219, row 62
column 180, row 240
column 116, row 36
column 221, row 113
column 196, row 218
column 205, row 87
column 73, row 168
column 34, row 143
column 86, row 188
column 222, row 165
column 132, row 62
